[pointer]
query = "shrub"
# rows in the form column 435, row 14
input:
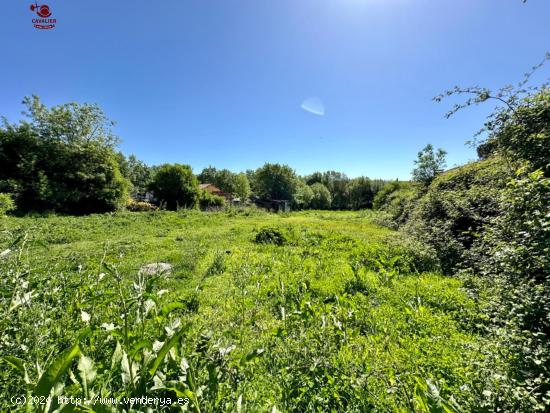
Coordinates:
column 6, row 204
column 271, row 236
column 383, row 219
column 456, row 208
column 515, row 256
column 140, row 206
column 209, row 200
column 523, row 133
column 398, row 200
column 382, row 197
column 88, row 182
column 401, row 255
column 519, row 239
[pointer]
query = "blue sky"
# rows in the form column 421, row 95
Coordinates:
column 222, row 82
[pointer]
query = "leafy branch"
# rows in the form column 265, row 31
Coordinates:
column 508, row 95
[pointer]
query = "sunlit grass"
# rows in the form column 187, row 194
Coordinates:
column 333, row 318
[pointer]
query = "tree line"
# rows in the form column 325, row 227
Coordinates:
column 65, row 159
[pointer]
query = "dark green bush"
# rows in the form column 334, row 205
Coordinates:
column 515, row 254
column 457, row 207
column 275, row 236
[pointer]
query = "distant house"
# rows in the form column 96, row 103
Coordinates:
column 214, row 190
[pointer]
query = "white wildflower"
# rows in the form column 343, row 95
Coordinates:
column 148, row 306
column 108, row 327
column 21, row 299
column 157, row 345
column 225, row 351
column 85, row 316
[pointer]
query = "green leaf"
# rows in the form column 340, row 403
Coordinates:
column 168, row 308
column 138, row 346
column 15, row 363
column 129, row 370
column 239, row 403
column 87, row 372
column 83, row 333
column 254, row 354
column 166, row 348
column 55, row 370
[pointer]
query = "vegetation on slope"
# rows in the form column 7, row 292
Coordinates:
column 489, row 223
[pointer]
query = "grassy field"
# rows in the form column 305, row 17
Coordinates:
column 325, row 311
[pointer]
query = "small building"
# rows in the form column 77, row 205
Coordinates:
column 214, row 190
column 274, row 205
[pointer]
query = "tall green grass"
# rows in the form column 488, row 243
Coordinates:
column 341, row 316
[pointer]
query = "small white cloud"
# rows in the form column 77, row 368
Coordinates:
column 314, row 105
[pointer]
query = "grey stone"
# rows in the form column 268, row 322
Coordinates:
column 156, row 268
